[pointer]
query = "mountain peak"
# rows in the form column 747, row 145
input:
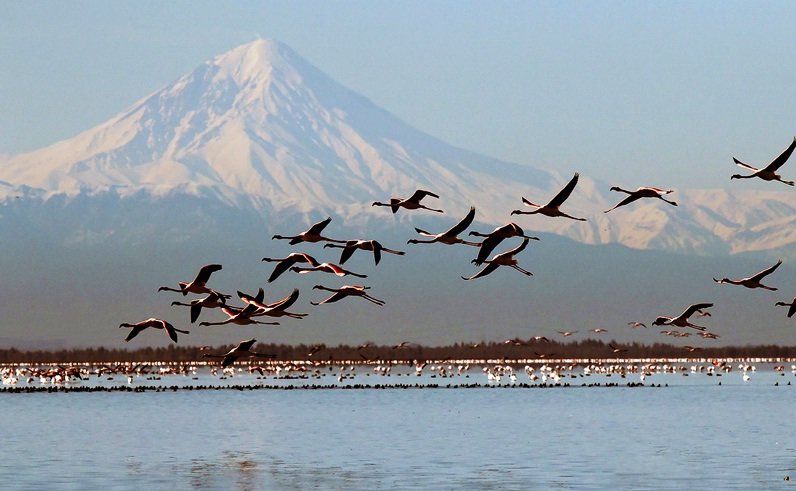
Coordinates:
column 253, row 61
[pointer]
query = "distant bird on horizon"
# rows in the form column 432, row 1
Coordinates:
column 345, row 291
column 154, row 323
column 313, row 234
column 598, row 330
column 410, row 203
column 199, row 284
column 366, row 245
column 286, row 262
column 502, row 259
column 753, row 281
column 551, row 209
column 495, row 237
column 566, row 334
column 792, row 305
column 242, row 350
column 450, row 236
column 211, row 301
column 682, row 319
column 643, row 192
column 769, row 172
column 636, row 324
column 616, row 349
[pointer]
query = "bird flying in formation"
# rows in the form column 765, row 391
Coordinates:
column 551, row 209
column 682, row 319
column 242, row 350
column 769, row 172
column 313, row 234
column 753, row 281
column 154, row 323
column 495, row 237
column 346, row 291
column 502, row 259
column 199, row 284
column 366, row 245
column 410, row 203
column 639, row 193
column 450, row 236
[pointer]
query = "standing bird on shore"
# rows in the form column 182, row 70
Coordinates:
column 313, row 234
column 753, row 281
column 366, row 245
column 198, row 285
column 242, row 350
column 646, row 192
column 502, row 259
column 769, row 172
column 450, row 236
column 410, row 203
column 682, row 319
column 345, row 291
column 286, row 262
column 211, row 301
column 551, row 208
column 154, row 323
column 495, row 237
column 792, row 305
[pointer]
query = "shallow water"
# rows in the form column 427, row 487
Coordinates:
column 690, row 433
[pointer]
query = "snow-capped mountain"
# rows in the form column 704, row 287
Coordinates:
column 261, row 129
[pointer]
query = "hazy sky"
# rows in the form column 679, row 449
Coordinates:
column 640, row 93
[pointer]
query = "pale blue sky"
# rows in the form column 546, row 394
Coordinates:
column 637, row 93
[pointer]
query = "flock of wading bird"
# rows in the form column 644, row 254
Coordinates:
column 255, row 308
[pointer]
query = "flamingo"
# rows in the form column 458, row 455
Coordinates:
column 753, row 281
column 198, row 285
column 366, row 245
column 636, row 324
column 286, row 262
column 682, row 319
column 313, row 234
column 326, row 268
column 616, row 349
column 792, row 305
column 567, row 333
column 502, row 259
column 241, row 317
column 276, row 309
column 211, row 301
column 410, row 203
column 598, row 330
column 448, row 237
column 495, row 237
column 551, row 208
column 345, row 291
column 242, row 350
column 155, row 323
column 769, row 172
column 645, row 192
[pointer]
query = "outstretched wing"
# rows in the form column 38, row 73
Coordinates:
column 777, row 162
column 564, row 193
column 285, row 302
column 318, row 227
column 335, row 297
column 205, row 272
column 420, row 194
column 759, row 276
column 745, row 166
column 134, row 332
column 485, row 271
column 629, row 199
column 348, row 250
column 170, row 329
column 692, row 309
column 462, row 225
column 487, row 246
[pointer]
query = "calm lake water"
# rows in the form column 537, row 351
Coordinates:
column 689, row 433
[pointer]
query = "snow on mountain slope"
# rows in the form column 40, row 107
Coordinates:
column 260, row 128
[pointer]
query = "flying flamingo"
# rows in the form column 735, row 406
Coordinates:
column 495, row 237
column 753, row 281
column 551, row 208
column 682, row 319
column 502, row 259
column 313, row 234
column 345, row 291
column 154, row 323
column 792, row 305
column 326, row 268
column 646, row 192
column 410, row 203
column 276, row 309
column 198, row 285
column 211, row 301
column 241, row 317
column 448, row 237
column 366, row 245
column 242, row 350
column 769, row 172
column 286, row 262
